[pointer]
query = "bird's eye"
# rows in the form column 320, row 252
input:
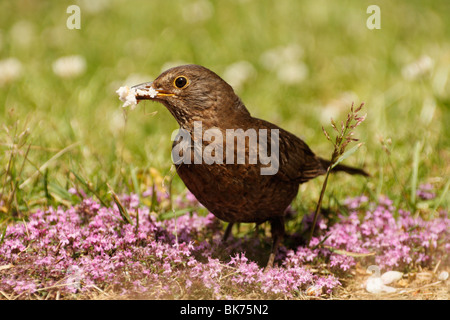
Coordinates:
column 180, row 82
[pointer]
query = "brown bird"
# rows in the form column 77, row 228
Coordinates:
column 224, row 174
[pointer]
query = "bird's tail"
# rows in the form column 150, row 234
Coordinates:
column 344, row 168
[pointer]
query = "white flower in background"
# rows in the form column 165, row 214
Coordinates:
column 292, row 73
column 286, row 62
column 10, row 70
column 95, row 6
column 117, row 121
column 22, row 33
column 440, row 79
column 238, row 73
column 69, row 66
column 418, row 68
column 428, row 110
column 197, row 11
column 337, row 106
column 274, row 58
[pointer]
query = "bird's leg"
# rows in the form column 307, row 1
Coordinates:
column 227, row 232
column 277, row 229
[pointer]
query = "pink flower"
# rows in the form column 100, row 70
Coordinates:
column 94, row 239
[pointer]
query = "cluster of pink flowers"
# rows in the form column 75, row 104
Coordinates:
column 90, row 247
column 379, row 234
column 425, row 192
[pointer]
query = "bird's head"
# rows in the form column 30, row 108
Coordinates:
column 193, row 93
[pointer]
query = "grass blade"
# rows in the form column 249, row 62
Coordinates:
column 47, row 163
column 350, row 254
column 174, row 214
column 54, row 188
column 123, row 212
column 441, row 198
column 3, row 235
column 134, row 179
column 79, row 178
column 415, row 171
column 347, row 154
column 47, row 194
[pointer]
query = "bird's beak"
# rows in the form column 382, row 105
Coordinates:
column 146, row 91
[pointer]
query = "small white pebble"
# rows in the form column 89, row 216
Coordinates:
column 376, row 285
column 443, row 276
column 388, row 289
column 391, row 276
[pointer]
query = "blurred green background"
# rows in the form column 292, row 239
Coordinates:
column 294, row 63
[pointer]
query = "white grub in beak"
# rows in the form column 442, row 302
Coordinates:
column 145, row 91
column 131, row 96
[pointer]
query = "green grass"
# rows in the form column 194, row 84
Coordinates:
column 58, row 133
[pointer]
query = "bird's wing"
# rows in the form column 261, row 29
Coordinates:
column 297, row 162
